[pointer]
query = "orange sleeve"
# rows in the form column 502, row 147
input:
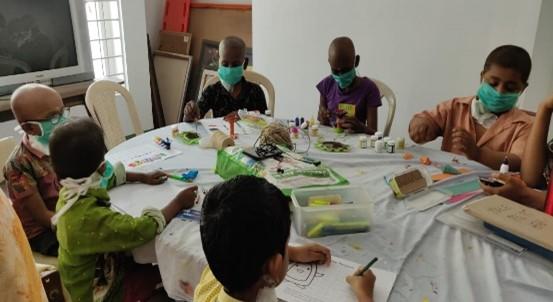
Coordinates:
column 519, row 142
column 437, row 117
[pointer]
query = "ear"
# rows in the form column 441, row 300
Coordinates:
column 357, row 59
column 246, row 61
column 31, row 129
column 482, row 75
column 274, row 267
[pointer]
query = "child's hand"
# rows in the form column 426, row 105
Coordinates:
column 513, row 189
column 464, row 143
column 362, row 286
column 420, row 131
column 153, row 178
column 309, row 253
column 191, row 112
column 352, row 125
column 324, row 116
column 187, row 197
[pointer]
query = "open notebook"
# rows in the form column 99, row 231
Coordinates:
column 320, row 283
column 517, row 219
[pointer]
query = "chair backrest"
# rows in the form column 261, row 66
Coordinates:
column 387, row 93
column 100, row 101
column 257, row 78
column 7, row 144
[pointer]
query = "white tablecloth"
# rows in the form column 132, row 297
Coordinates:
column 434, row 261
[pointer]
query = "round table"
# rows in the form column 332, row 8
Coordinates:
column 434, row 262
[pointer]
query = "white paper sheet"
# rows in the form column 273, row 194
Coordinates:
column 319, row 283
column 427, row 200
column 139, row 156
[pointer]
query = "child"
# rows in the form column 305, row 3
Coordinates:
column 232, row 92
column 245, row 227
column 91, row 236
column 486, row 127
column 31, row 182
column 347, row 100
column 536, row 165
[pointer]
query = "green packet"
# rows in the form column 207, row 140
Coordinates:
column 188, row 137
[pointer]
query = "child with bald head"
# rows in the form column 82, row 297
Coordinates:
column 347, row 100
column 31, row 181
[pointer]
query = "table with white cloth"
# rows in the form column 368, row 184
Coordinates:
column 434, row 262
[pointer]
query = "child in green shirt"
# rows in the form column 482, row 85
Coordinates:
column 92, row 237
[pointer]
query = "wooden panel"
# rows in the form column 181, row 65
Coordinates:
column 172, row 72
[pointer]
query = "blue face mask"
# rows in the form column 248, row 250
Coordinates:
column 494, row 101
column 107, row 175
column 344, row 80
column 230, row 75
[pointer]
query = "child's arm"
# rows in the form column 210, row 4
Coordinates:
column 362, row 286
column 324, row 114
column 515, row 189
column 372, row 120
column 151, row 178
column 35, row 204
column 463, row 142
column 309, row 253
column 426, row 126
column 535, row 154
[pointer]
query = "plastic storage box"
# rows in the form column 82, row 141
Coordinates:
column 313, row 217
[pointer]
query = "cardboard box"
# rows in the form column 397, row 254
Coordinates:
column 176, row 42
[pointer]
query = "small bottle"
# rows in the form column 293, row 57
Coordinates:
column 379, row 134
column 400, row 143
column 268, row 112
column 391, row 146
column 363, row 142
column 174, row 131
column 314, row 130
column 373, row 140
column 504, row 168
column 379, row 146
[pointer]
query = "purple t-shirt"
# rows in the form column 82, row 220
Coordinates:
column 366, row 94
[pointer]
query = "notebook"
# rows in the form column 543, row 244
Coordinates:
column 517, row 219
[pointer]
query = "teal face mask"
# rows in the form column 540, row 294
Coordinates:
column 230, row 75
column 494, row 101
column 107, row 175
column 48, row 126
column 344, row 80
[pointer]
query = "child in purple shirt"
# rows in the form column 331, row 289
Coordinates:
column 347, row 101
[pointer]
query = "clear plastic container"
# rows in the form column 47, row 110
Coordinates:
column 312, row 218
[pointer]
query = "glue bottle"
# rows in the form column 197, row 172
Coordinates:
column 504, row 168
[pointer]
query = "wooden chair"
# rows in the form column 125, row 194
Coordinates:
column 100, row 102
column 387, row 93
column 254, row 77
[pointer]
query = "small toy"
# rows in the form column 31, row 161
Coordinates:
column 164, row 143
column 425, row 160
column 448, row 169
column 231, row 119
column 188, row 175
column 408, row 156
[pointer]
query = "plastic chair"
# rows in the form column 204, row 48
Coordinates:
column 387, row 93
column 257, row 78
column 7, row 144
column 100, row 102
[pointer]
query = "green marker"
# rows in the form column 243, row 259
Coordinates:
column 360, row 273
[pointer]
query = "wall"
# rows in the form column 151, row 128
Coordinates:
column 426, row 51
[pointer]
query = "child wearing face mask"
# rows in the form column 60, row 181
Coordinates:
column 486, row 127
column 93, row 238
column 31, row 181
column 347, row 101
column 245, row 227
column 233, row 92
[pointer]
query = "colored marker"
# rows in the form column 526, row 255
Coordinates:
column 360, row 273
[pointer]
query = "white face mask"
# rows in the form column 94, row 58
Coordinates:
column 267, row 294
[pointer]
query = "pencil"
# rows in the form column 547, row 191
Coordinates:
column 361, row 272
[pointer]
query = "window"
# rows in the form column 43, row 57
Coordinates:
column 106, row 40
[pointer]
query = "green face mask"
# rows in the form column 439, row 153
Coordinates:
column 345, row 79
column 107, row 175
column 494, row 101
column 48, row 126
column 230, row 75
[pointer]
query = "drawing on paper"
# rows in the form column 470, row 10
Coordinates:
column 302, row 275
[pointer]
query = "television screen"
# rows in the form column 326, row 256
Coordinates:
column 36, row 36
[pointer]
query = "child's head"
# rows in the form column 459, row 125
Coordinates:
column 341, row 55
column 77, row 148
column 33, row 105
column 245, row 227
column 232, row 52
column 507, row 69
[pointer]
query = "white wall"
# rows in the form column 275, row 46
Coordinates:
column 427, row 51
column 136, row 56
